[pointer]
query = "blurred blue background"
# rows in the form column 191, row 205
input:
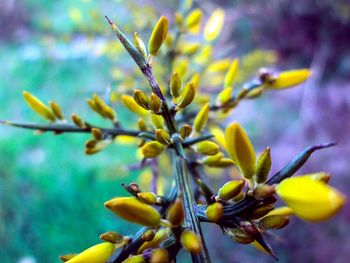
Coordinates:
column 51, row 194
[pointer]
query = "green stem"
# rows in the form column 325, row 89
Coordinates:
column 191, row 220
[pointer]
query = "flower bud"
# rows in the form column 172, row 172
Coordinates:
column 214, row 25
column 147, row 197
column 263, row 166
column 98, row 254
column 264, row 191
column 148, row 235
column 130, row 103
column 193, row 20
column 78, row 121
column 159, row 255
column 201, row 118
column 175, row 85
column 207, row 148
column 131, row 209
column 289, row 79
column 38, row 106
column 185, row 131
column 231, row 189
column 152, row 149
column 189, row 48
column 274, row 222
column 240, row 236
column 187, row 95
column 140, row 45
column 224, row 96
column 135, row 259
column 176, row 213
column 141, row 99
column 157, row 121
column 209, row 160
column 162, row 136
column 56, row 109
column 259, row 211
column 222, row 163
column 142, row 124
column 112, row 237
column 231, row 74
column 310, row 200
column 215, row 212
column 240, row 149
column 158, row 35
column 97, row 133
column 161, row 235
column 281, row 211
column 191, row 242
column 155, row 104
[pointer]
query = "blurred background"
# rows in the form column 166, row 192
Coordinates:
column 51, row 193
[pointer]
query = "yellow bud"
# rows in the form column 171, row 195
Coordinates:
column 130, row 103
column 205, row 55
column 179, row 20
column 263, row 191
column 230, row 189
column 215, row 212
column 155, row 104
column 255, row 93
column 240, row 236
column 189, row 48
column 263, row 166
column 191, row 242
column 240, row 149
column 142, row 124
column 141, row 99
column 159, row 255
column 195, row 80
column 222, row 163
column 201, row 118
column 231, row 74
column 112, row 237
column 289, row 79
column 181, row 67
column 259, row 211
column 209, row 160
column 193, row 20
column 310, row 200
column 175, row 85
column 207, row 148
column 94, row 146
column 94, row 107
column 157, row 121
column 274, row 222
column 161, row 235
column 214, row 25
column 135, row 259
column 176, row 213
column 185, row 131
column 281, row 211
column 158, row 36
column 140, row 45
column 321, row 176
column 219, row 136
column 56, row 109
column 224, row 96
column 148, row 235
column 219, row 65
column 38, row 106
column 97, row 133
column 131, row 209
column 147, row 197
column 187, row 95
column 162, row 136
column 97, row 254
column 152, row 149
column 78, row 121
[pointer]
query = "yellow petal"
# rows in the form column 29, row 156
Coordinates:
column 289, row 79
column 281, row 211
column 310, row 200
column 97, row 254
column 240, row 149
column 201, row 118
column 38, row 106
column 214, row 25
column 131, row 104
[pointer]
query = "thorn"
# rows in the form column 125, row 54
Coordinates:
column 109, row 21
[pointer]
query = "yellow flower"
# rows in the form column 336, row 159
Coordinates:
column 99, row 253
column 310, row 200
column 287, row 79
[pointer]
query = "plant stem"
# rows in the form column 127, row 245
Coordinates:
column 191, row 220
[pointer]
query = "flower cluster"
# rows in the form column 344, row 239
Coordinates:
column 181, row 120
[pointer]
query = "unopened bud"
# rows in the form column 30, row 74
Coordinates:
column 185, row 131
column 215, row 212
column 140, row 45
column 155, row 104
column 263, row 191
column 152, row 149
column 142, row 124
column 175, row 85
column 240, row 236
column 78, row 121
column 274, row 222
column 159, row 255
column 112, row 237
column 201, row 118
column 56, row 109
column 187, row 95
column 147, row 197
column 157, row 121
column 148, row 235
column 260, row 211
column 263, row 166
column 158, row 35
column 207, row 148
column 38, row 106
column 193, row 19
column 191, row 242
column 224, row 96
column 162, row 136
column 141, row 99
column 97, row 133
column 231, row 189
column 176, row 213
column 131, row 209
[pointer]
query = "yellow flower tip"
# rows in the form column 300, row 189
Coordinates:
column 131, row 209
column 310, row 200
column 287, row 79
column 176, row 212
column 214, row 25
column 158, row 36
column 99, row 253
column 240, row 149
column 38, row 106
column 201, row 118
column 230, row 189
column 191, row 242
column 215, row 212
column 281, row 211
column 207, row 148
